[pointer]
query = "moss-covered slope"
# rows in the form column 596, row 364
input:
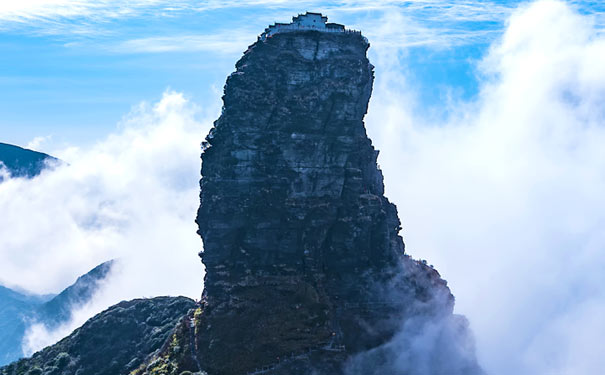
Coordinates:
column 114, row 342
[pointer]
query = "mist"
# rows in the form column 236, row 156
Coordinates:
column 132, row 196
column 505, row 197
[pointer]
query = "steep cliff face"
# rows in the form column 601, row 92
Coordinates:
column 305, row 269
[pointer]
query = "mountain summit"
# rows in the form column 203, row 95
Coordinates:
column 306, row 273
column 305, row 270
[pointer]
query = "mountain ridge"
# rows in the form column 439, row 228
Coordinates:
column 111, row 343
column 18, row 311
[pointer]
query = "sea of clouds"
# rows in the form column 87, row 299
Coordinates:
column 132, row 196
column 505, row 197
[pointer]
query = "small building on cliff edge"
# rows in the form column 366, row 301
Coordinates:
column 307, row 21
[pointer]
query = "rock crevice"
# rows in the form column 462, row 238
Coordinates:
column 301, row 247
column 305, row 270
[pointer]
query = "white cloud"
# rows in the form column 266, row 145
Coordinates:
column 133, row 196
column 232, row 42
column 37, row 142
column 39, row 336
column 70, row 18
column 425, row 22
column 506, row 197
column 26, row 10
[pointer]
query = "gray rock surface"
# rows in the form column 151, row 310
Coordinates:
column 306, row 273
column 305, row 270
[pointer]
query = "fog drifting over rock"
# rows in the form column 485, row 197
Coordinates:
column 504, row 198
column 132, row 196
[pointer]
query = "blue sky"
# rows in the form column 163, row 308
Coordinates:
column 488, row 115
column 71, row 72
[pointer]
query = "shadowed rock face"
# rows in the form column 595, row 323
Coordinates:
column 306, row 273
column 305, row 270
column 114, row 342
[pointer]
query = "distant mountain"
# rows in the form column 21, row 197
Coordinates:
column 114, row 342
column 58, row 309
column 306, row 272
column 14, row 306
column 18, row 309
column 22, row 162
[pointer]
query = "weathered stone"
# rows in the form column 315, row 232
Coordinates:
column 305, row 271
column 304, row 264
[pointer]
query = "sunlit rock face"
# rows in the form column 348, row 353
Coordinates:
column 305, row 270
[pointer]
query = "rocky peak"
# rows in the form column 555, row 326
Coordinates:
column 305, row 270
column 287, row 153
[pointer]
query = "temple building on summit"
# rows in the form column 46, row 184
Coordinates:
column 307, row 21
